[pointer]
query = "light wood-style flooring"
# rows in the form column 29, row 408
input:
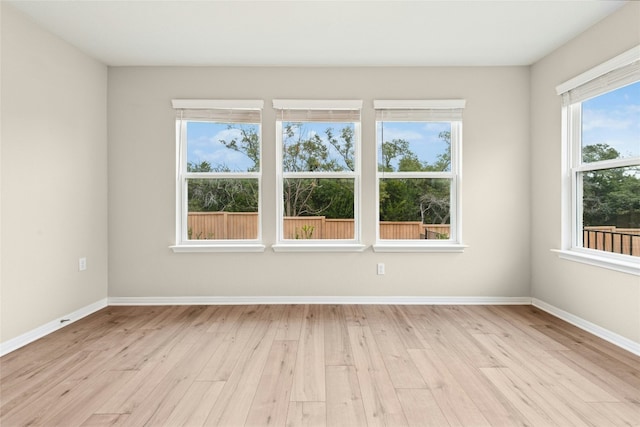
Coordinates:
column 320, row 365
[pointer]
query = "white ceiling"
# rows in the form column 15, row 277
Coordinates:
column 317, row 33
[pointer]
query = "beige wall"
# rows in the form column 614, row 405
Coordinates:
column 495, row 194
column 54, row 177
column 54, row 183
column 609, row 299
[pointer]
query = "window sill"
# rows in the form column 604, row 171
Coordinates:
column 405, row 247
column 310, row 247
column 588, row 258
column 240, row 247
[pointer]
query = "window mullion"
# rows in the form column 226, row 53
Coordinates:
column 608, row 164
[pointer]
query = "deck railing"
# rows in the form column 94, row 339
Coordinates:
column 624, row 241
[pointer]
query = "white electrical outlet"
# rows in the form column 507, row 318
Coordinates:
column 82, row 264
column 380, row 269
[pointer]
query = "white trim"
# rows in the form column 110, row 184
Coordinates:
column 419, row 246
column 454, row 243
column 59, row 323
column 586, row 256
column 418, row 104
column 212, row 104
column 619, row 61
column 606, row 164
column 317, row 104
column 320, row 246
column 397, row 300
column 218, row 247
column 600, row 332
column 428, row 175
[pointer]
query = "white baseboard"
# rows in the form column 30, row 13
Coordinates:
column 592, row 328
column 239, row 300
column 39, row 332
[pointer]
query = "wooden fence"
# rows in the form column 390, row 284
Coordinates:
column 222, row 225
column 611, row 239
column 244, row 225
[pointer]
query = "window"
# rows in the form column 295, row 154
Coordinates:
column 602, row 142
column 318, row 174
column 218, row 175
column 418, row 178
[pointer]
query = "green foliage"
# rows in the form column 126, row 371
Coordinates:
column 216, row 195
column 610, row 196
column 328, row 197
column 425, row 200
column 248, row 145
column 414, row 199
column 306, row 232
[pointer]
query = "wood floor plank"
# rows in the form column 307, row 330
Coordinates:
column 160, row 402
column 518, row 323
column 421, row 408
column 226, row 318
column 308, row 379
column 337, row 347
column 452, row 399
column 379, row 398
column 291, row 323
column 626, row 368
column 545, row 367
column 393, row 348
column 438, row 327
column 344, row 401
column 354, row 315
column 146, row 379
column 194, row 407
column 83, row 397
column 619, row 414
column 238, row 334
column 35, row 383
column 65, row 401
column 599, row 374
column 493, row 406
column 105, row 420
column 233, row 405
column 307, row 414
column 520, row 398
column 346, row 364
column 271, row 402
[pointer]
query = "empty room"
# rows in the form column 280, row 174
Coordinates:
column 320, row 213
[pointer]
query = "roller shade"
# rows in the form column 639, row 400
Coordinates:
column 419, row 110
column 222, row 111
column 317, row 110
column 605, row 83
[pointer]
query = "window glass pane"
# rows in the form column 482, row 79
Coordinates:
column 223, row 147
column 414, row 146
column 611, row 125
column 318, row 147
column 220, row 209
column 415, row 208
column 318, row 208
column 611, row 210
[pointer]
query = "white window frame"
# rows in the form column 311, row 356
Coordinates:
column 182, row 243
column 606, row 77
column 317, row 245
column 444, row 110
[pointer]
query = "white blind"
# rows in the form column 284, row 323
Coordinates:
column 288, row 110
column 419, row 110
column 605, row 83
column 222, row 111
